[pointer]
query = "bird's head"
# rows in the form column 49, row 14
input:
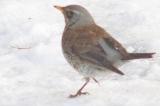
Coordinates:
column 75, row 15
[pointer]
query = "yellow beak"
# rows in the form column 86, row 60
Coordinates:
column 59, row 8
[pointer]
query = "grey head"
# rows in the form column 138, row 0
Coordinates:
column 76, row 16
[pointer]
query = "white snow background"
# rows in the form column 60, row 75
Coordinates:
column 40, row 76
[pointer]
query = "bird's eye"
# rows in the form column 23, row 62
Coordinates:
column 70, row 14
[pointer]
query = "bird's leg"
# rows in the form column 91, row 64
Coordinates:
column 79, row 92
column 96, row 80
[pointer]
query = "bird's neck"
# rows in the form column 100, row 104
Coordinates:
column 78, row 24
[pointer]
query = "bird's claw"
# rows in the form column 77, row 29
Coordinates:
column 78, row 94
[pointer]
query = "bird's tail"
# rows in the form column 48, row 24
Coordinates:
column 139, row 56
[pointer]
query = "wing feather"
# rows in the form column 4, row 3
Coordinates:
column 87, row 46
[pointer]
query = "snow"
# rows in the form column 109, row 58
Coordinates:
column 40, row 76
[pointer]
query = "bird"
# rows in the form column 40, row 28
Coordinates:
column 89, row 48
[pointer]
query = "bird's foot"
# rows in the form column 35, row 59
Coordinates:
column 79, row 93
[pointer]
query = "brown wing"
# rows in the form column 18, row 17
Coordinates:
column 116, row 45
column 95, row 31
column 87, row 47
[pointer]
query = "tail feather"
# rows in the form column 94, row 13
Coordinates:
column 139, row 56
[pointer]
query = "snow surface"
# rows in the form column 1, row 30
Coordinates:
column 40, row 76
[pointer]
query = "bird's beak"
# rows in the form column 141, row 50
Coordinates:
column 59, row 8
